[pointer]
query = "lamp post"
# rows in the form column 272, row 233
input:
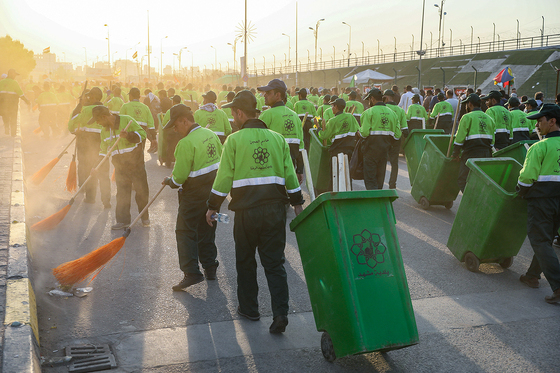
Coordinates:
column 363, row 49
column 179, row 58
column 114, row 61
column 493, row 36
column 472, row 31
column 377, row 48
column 85, row 51
column 349, row 39
column 420, row 52
column 215, row 56
column 450, row 38
column 108, row 47
column 234, row 47
column 412, row 45
column 289, row 49
column 334, row 54
column 517, row 35
column 161, row 56
column 478, row 48
column 440, row 10
column 192, row 65
column 395, row 53
column 316, row 34
column 542, row 32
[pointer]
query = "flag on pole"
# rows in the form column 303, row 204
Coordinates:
column 505, row 77
column 47, row 50
column 353, row 81
column 135, row 55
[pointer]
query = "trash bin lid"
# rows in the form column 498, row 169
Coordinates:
column 475, row 163
column 423, row 131
column 330, row 196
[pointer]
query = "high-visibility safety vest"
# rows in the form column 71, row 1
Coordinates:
column 443, row 108
column 286, row 122
column 109, row 136
column 305, row 106
column 417, row 112
column 501, row 117
column 520, row 125
column 256, row 167
column 540, row 175
column 359, row 107
column 476, row 129
column 197, row 158
column 341, row 131
column 216, row 121
column 401, row 115
column 379, row 120
column 47, row 100
column 79, row 122
column 140, row 112
column 115, row 104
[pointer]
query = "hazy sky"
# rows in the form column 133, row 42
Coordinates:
column 68, row 26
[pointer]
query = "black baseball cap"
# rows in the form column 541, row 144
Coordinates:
column 549, row 110
column 95, row 93
column 327, row 98
column 375, row 93
column 177, row 99
column 531, row 102
column 339, row 102
column 513, row 101
column 493, row 94
column 176, row 112
column 389, row 92
column 210, row 95
column 97, row 112
column 473, row 97
column 274, row 84
column 441, row 96
column 244, row 100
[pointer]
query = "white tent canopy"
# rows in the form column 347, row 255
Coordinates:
column 369, row 75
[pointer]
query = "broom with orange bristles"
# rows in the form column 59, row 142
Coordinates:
column 71, row 273
column 37, row 130
column 40, row 175
column 52, row 221
column 72, row 178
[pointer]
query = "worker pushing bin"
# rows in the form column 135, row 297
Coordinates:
column 491, row 222
column 414, row 147
column 435, row 182
column 320, row 164
column 354, row 272
column 517, row 151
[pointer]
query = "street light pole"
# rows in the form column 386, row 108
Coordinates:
column 472, row 30
column 161, row 57
column 85, row 51
column 420, row 53
column 494, row 37
column 316, row 34
column 289, row 48
column 149, row 50
column 349, row 39
column 108, row 48
column 215, row 56
column 542, row 32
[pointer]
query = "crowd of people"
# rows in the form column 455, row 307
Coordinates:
column 248, row 142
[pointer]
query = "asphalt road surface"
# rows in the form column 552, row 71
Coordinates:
column 468, row 322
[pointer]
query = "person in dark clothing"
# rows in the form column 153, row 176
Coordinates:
column 164, row 101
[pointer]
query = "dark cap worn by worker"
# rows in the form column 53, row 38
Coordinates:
column 548, row 110
column 243, row 100
column 389, row 92
column 531, row 102
column 473, row 98
column 97, row 112
column 339, row 103
column 375, row 93
column 274, row 84
column 493, row 94
column 176, row 112
column 513, row 101
column 210, row 96
column 441, row 96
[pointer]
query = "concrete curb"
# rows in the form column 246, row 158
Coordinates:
column 21, row 337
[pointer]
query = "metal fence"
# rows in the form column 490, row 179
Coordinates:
column 446, row 51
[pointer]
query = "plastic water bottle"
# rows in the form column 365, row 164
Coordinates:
column 221, row 218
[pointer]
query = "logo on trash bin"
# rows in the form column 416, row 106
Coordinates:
column 289, row 125
column 211, row 150
column 368, row 248
column 261, row 155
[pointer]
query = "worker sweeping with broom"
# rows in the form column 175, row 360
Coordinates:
column 128, row 160
column 88, row 144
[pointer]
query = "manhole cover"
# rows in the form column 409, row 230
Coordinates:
column 93, row 364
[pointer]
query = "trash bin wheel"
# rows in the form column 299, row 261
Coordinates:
column 448, row 205
column 507, row 262
column 472, row 262
column 327, row 347
column 424, row 203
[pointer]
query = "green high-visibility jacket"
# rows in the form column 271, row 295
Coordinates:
column 476, row 129
column 357, row 104
column 256, row 167
column 285, row 121
column 289, row 104
column 216, row 121
column 344, row 96
column 109, row 136
column 341, row 131
column 321, row 110
column 189, row 95
column 222, row 96
column 501, row 117
column 65, row 99
column 47, row 99
column 115, row 104
column 140, row 112
column 519, row 123
column 379, row 120
column 328, row 114
column 532, row 122
column 197, row 157
column 305, row 106
column 314, row 99
column 260, row 102
column 443, row 108
column 540, row 175
column 79, row 122
column 417, row 112
column 9, row 86
column 400, row 113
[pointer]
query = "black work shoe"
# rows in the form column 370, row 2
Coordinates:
column 279, row 324
column 188, row 280
column 210, row 272
column 554, row 298
column 252, row 318
column 529, row 281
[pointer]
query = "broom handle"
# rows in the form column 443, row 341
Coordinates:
column 437, row 120
column 146, row 208
column 83, row 92
column 100, row 163
column 453, row 131
column 66, row 148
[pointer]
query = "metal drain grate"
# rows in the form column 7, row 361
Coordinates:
column 93, row 364
column 80, row 352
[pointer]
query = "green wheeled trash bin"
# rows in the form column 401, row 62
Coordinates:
column 319, row 163
column 435, row 182
column 414, row 147
column 517, row 151
column 491, row 222
column 354, row 272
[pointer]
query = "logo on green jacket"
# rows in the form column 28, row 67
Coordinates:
column 211, row 121
column 505, row 117
column 261, row 155
column 368, row 249
column 137, row 112
column 345, row 125
column 384, row 120
column 289, row 125
column 211, row 151
column 482, row 126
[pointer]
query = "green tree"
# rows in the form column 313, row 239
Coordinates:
column 13, row 55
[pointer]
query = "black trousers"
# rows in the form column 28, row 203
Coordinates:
column 464, row 170
column 195, row 238
column 9, row 112
column 375, row 150
column 88, row 157
column 47, row 121
column 543, row 221
column 130, row 171
column 393, row 154
column 261, row 228
column 297, row 158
